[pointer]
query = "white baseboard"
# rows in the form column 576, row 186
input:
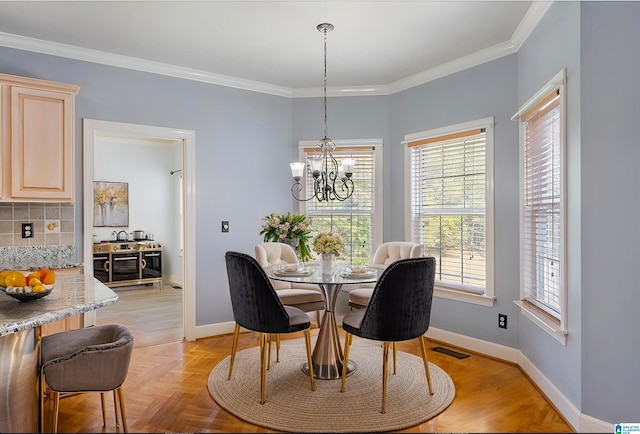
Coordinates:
column 591, row 424
column 578, row 421
column 172, row 279
column 209, row 330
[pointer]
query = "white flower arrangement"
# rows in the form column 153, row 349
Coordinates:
column 328, row 242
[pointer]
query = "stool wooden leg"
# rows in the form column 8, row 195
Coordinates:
column 121, row 399
column 104, row 410
column 56, row 407
column 115, row 406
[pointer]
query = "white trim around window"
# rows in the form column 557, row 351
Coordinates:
column 483, row 295
column 543, row 255
column 365, row 144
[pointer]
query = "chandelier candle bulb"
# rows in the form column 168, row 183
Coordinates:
column 347, row 166
column 297, row 169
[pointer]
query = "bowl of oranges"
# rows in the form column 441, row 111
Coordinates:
column 25, row 287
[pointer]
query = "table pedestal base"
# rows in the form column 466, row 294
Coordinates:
column 329, row 372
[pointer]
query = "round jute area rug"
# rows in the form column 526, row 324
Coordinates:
column 292, row 406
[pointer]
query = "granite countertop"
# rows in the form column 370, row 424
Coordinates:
column 72, row 294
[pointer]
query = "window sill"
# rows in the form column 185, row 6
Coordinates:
column 550, row 326
column 467, row 297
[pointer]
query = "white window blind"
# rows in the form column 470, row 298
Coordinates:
column 448, row 205
column 353, row 218
column 542, row 219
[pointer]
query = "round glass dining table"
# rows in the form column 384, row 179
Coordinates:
column 327, row 356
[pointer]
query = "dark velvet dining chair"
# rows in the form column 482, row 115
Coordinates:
column 256, row 307
column 399, row 310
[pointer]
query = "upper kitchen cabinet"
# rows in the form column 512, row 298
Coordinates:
column 37, row 133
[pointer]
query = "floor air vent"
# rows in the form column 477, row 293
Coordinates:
column 449, row 352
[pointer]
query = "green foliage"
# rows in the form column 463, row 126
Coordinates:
column 278, row 227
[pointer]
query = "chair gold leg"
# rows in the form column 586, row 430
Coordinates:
column 56, row 407
column 269, row 352
column 104, row 410
column 345, row 362
column 307, row 338
column 426, row 364
column 263, row 364
column 385, row 357
column 122, row 412
column 395, row 359
column 277, row 348
column 115, row 406
column 234, row 346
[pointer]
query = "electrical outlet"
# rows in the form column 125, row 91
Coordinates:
column 502, row 321
column 225, row 226
column 27, row 230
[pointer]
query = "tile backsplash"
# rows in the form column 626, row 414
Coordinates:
column 53, row 224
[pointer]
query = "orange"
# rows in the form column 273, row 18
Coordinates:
column 15, row 278
column 48, row 277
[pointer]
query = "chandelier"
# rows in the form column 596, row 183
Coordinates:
column 331, row 179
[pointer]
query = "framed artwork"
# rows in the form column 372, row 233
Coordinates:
column 110, row 204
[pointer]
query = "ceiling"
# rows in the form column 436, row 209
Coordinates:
column 377, row 47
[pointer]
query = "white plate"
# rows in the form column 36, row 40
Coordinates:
column 298, row 273
column 364, row 274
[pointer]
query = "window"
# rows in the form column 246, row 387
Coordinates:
column 542, row 217
column 359, row 218
column 450, row 206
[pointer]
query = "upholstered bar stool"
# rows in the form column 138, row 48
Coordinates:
column 93, row 359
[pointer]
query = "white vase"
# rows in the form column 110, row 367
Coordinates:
column 326, row 262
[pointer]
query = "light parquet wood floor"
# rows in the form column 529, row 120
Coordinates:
column 166, row 391
column 152, row 313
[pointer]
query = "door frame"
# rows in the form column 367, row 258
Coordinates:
column 93, row 128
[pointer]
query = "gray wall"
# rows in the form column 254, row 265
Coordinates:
column 240, row 135
column 610, row 92
column 484, row 91
column 553, row 45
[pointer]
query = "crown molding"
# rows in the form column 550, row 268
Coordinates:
column 104, row 58
column 522, row 32
column 529, row 22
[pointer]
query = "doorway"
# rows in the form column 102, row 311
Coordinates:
column 95, row 131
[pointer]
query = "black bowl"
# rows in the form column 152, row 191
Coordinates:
column 26, row 296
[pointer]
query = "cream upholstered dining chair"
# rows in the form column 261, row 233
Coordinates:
column 306, row 297
column 387, row 253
